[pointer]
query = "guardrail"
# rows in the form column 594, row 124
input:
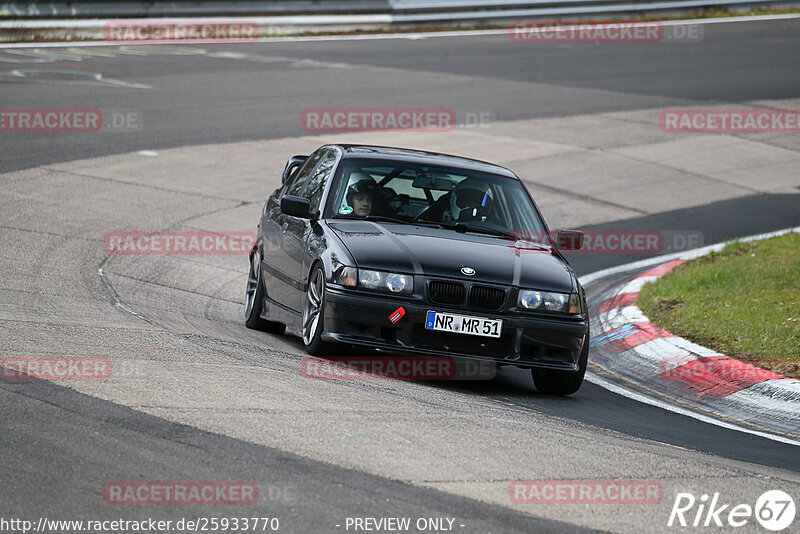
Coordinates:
column 399, row 10
column 25, row 22
column 187, row 8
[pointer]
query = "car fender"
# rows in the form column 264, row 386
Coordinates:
column 334, row 254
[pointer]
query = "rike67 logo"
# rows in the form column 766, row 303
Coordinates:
column 774, row 510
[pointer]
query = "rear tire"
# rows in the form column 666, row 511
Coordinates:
column 556, row 382
column 254, row 300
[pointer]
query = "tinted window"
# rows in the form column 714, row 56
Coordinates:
column 316, row 184
column 296, row 184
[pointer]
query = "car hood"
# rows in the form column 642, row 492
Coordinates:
column 414, row 249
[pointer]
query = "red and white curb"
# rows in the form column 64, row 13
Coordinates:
column 627, row 344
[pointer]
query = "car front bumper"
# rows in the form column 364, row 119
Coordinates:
column 526, row 341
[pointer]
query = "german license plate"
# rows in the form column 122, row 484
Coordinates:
column 463, row 324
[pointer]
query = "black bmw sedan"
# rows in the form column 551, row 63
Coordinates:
column 416, row 252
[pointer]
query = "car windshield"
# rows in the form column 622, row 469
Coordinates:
column 461, row 199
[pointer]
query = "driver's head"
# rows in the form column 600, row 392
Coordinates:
column 360, row 193
column 471, row 199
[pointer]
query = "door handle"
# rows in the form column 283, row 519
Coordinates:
column 284, row 227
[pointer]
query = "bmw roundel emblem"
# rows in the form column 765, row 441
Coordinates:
column 469, row 271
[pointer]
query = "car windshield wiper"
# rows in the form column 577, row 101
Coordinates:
column 463, row 227
column 383, row 218
column 531, row 244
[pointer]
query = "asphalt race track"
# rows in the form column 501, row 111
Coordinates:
column 201, row 398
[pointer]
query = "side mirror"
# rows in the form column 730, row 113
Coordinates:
column 296, row 206
column 293, row 163
column 569, row 240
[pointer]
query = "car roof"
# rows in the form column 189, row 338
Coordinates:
column 422, row 157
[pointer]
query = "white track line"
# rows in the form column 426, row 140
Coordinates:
column 372, row 37
column 613, row 388
column 639, row 397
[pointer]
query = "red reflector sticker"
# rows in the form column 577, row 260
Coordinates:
column 397, row 315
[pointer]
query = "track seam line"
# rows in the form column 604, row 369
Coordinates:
column 678, row 169
column 51, row 234
column 50, row 168
column 191, row 292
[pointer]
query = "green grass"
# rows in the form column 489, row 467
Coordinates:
column 743, row 301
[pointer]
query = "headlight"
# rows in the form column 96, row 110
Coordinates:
column 397, row 283
column 393, row 282
column 530, row 299
column 547, row 301
column 374, row 280
column 369, row 279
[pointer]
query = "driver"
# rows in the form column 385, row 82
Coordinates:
column 361, row 193
column 470, row 200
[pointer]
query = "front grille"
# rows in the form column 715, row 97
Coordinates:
column 486, row 298
column 451, row 293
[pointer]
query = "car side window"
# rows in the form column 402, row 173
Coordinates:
column 316, row 185
column 296, row 184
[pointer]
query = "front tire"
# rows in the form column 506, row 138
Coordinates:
column 254, row 299
column 556, row 382
column 314, row 315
